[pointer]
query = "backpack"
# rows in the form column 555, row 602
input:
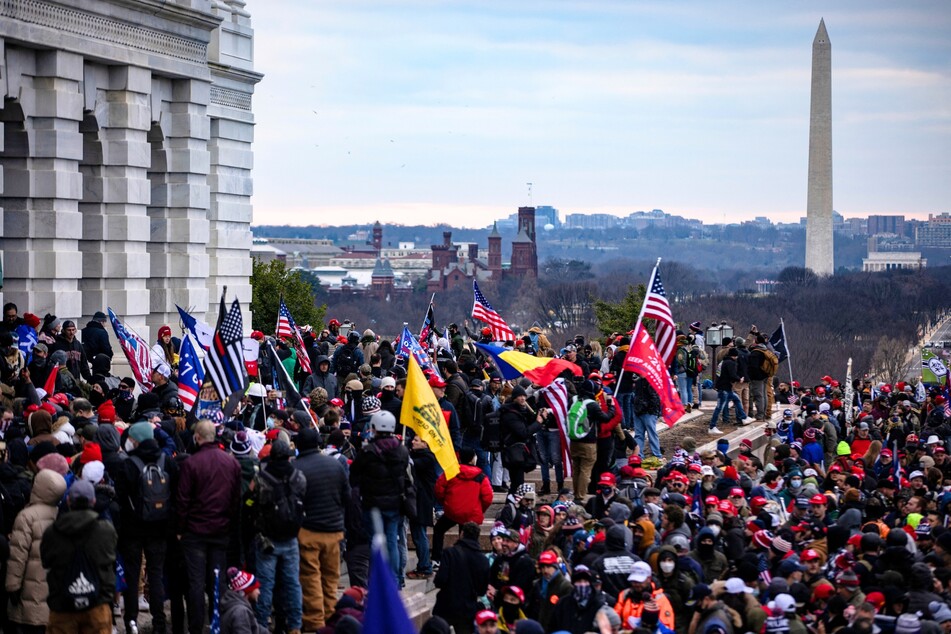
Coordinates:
column 692, row 363
column 578, row 424
column 155, row 490
column 280, row 504
column 346, row 361
column 770, row 362
column 82, row 581
column 492, row 432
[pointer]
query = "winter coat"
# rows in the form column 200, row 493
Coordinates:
column 617, row 562
column 380, row 471
column 17, row 483
column 209, row 492
column 466, row 497
column 76, row 361
column 542, row 603
column 82, row 530
column 328, row 491
column 515, row 569
column 456, row 389
column 96, row 340
column 129, row 493
column 326, row 380
column 424, row 479
column 728, row 375
column 571, row 617
column 237, row 615
column 25, row 571
column 108, row 438
column 463, row 577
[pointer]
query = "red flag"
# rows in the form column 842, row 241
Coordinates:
column 643, row 359
column 547, row 373
column 50, row 386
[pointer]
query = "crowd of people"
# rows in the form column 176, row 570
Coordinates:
column 116, row 501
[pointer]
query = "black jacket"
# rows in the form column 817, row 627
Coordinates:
column 76, row 361
column 571, row 617
column 72, row 531
column 728, row 374
column 517, row 424
column 96, row 340
column 380, row 470
column 328, row 491
column 517, row 569
column 424, row 479
column 463, row 577
column 456, row 389
column 129, row 492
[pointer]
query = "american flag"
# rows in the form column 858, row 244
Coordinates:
column 224, row 363
column 556, row 395
column 287, row 328
column 429, row 325
column 191, row 374
column 136, row 350
column 657, row 307
column 483, row 312
column 215, row 625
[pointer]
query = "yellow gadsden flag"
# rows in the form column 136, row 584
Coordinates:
column 422, row 414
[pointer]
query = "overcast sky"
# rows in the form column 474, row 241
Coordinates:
column 430, row 111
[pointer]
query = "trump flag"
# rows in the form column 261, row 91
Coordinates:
column 643, row 359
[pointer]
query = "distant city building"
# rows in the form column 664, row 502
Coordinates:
column 591, row 221
column 886, row 224
column 546, row 215
column 936, row 232
column 766, row 287
column 891, row 260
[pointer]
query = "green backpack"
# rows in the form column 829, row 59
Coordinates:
column 578, row 424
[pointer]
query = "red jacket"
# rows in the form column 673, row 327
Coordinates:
column 607, row 429
column 462, row 495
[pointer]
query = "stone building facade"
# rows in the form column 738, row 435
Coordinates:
column 125, row 156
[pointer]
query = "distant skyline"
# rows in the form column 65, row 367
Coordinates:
column 421, row 112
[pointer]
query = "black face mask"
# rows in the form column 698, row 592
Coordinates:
column 705, row 549
column 510, row 612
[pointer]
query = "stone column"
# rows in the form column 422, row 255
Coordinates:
column 42, row 184
column 115, row 222
column 179, row 208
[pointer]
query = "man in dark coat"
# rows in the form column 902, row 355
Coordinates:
column 95, row 337
column 518, row 425
column 76, row 360
column 575, row 613
column 424, row 479
column 462, row 578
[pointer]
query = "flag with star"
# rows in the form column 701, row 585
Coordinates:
column 224, row 363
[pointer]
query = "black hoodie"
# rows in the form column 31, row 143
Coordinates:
column 79, row 529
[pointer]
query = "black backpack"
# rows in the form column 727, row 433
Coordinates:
column 280, row 504
column 155, row 490
column 492, row 432
column 82, row 581
column 346, row 361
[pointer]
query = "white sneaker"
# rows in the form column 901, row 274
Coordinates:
column 748, row 420
column 715, row 432
column 143, row 603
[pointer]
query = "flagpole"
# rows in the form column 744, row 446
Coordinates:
column 640, row 317
column 782, row 325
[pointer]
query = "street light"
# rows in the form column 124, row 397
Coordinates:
column 716, row 333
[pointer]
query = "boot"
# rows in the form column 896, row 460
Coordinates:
column 546, row 489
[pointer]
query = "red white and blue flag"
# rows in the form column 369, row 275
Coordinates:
column 556, row 395
column 429, row 325
column 408, row 346
column 644, row 359
column 224, row 363
column 286, row 328
column 191, row 374
column 482, row 311
column 137, row 352
column 657, row 307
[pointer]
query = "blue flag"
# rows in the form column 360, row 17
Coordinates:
column 408, row 345
column 191, row 373
column 506, row 370
column 215, row 627
column 385, row 612
column 200, row 330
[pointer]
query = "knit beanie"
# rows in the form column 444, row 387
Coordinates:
column 241, row 581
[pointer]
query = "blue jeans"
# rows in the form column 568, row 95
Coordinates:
column 549, row 452
column 626, row 401
column 724, row 397
column 423, row 563
column 684, row 389
column 392, row 526
column 646, row 425
column 283, row 560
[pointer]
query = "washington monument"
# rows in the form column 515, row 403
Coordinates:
column 819, row 257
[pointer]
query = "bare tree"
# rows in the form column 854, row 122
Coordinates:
column 889, row 359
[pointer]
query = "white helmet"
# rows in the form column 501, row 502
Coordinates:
column 383, row 421
column 256, row 389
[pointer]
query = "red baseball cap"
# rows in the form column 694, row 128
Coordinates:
column 695, row 467
column 818, row 498
column 485, row 616
column 809, row 554
column 711, row 500
column 823, row 592
column 639, row 473
column 548, row 558
column 736, row 491
column 607, row 479
column 634, row 460
column 727, row 507
column 758, row 502
column 435, row 381
column 516, row 591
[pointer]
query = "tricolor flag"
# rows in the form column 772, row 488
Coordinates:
column 657, row 307
column 556, row 395
column 644, row 359
column 224, row 363
column 482, row 311
column 191, row 374
column 200, row 330
column 286, row 328
column 137, row 352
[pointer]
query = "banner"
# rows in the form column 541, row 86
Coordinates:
column 849, row 393
column 643, row 359
column 251, row 349
column 421, row 413
column 933, row 367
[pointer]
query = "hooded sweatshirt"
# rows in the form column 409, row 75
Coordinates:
column 617, row 562
column 79, row 529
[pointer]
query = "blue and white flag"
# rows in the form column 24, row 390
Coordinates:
column 200, row 330
column 191, row 373
column 407, row 345
column 224, row 362
column 385, row 612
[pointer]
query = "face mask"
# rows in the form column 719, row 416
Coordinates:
column 795, row 483
column 509, row 612
column 270, row 422
column 128, row 446
column 606, row 491
column 705, row 549
column 667, row 567
column 582, row 594
column 715, row 528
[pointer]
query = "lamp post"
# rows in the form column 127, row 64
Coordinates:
column 716, row 333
